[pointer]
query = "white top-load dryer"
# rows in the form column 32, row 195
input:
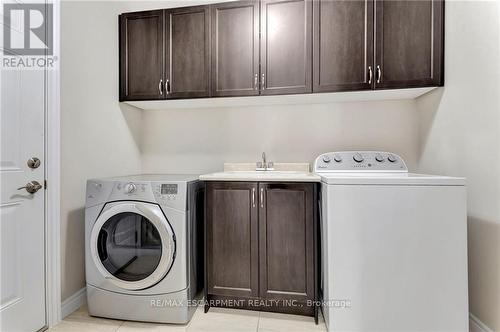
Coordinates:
column 394, row 245
column 143, row 247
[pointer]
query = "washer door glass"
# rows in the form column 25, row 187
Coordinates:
column 129, row 246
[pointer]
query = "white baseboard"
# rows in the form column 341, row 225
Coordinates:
column 475, row 325
column 73, row 302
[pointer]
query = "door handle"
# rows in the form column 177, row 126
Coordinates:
column 256, row 82
column 31, row 187
column 167, row 84
column 262, row 197
column 370, row 74
column 379, row 74
column 253, row 197
column 263, row 82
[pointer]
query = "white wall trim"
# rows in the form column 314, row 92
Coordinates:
column 52, row 176
column 74, row 302
column 476, row 325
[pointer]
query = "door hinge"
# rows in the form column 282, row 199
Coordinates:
column 44, row 184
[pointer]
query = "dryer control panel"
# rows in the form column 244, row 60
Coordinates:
column 172, row 194
column 127, row 190
column 359, row 161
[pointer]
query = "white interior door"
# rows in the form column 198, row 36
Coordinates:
column 22, row 276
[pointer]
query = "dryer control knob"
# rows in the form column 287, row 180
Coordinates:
column 358, row 157
column 379, row 158
column 130, row 188
column 392, row 158
column 337, row 158
column 326, row 158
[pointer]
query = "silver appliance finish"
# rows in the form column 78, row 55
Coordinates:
column 173, row 205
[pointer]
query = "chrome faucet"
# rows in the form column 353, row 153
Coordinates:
column 264, row 165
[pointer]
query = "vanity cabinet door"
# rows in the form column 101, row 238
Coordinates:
column 142, row 55
column 232, row 239
column 286, row 46
column 187, row 54
column 286, row 241
column 235, row 48
column 408, row 43
column 343, row 45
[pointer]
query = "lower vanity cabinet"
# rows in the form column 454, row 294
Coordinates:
column 261, row 246
column 232, row 247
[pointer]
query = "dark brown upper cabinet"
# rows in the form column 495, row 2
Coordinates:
column 286, row 46
column 235, row 48
column 409, row 43
column 286, row 242
column 343, row 45
column 232, row 239
column 277, row 47
column 142, row 55
column 187, row 52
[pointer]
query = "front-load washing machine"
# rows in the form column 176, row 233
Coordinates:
column 143, row 247
column 394, row 245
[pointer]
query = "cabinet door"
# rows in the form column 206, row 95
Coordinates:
column 187, row 58
column 232, row 239
column 235, row 48
column 408, row 43
column 343, row 45
column 286, row 241
column 142, row 55
column 286, row 44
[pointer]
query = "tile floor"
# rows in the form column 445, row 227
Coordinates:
column 216, row 320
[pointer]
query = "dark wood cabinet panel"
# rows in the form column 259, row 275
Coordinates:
column 235, row 48
column 188, row 53
column 286, row 46
column 278, row 47
column 142, row 55
column 343, row 45
column 409, row 43
column 262, row 245
column 232, row 239
column 286, row 241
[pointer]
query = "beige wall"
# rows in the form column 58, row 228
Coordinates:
column 460, row 135
column 202, row 140
column 98, row 137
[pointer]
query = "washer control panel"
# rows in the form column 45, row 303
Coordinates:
column 365, row 161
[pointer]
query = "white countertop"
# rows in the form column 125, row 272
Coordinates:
column 282, row 176
column 282, row 172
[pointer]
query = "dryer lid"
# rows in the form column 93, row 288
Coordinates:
column 132, row 245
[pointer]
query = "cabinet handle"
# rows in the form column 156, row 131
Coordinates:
column 256, row 82
column 263, row 81
column 370, row 74
column 379, row 74
column 167, row 83
column 262, row 197
column 253, row 197
column 160, row 87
